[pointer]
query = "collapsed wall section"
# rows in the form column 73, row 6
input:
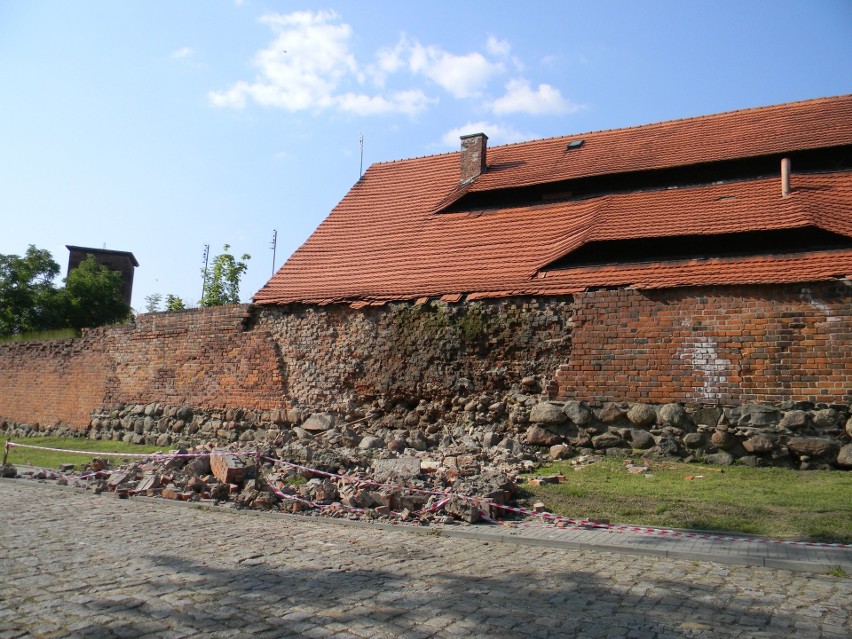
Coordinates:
column 334, row 356
column 724, row 345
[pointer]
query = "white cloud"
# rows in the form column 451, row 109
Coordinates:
column 499, row 48
column 388, row 61
column 301, row 68
column 408, row 102
column 183, row 52
column 464, row 76
column 497, row 134
column 309, row 64
column 546, row 100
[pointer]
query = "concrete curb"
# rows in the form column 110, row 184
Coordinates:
column 812, row 559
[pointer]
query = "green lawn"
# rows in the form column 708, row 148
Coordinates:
column 51, row 459
column 774, row 502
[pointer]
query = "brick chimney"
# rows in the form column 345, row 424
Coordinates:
column 473, row 148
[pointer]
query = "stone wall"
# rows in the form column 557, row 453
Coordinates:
column 698, row 347
column 334, row 357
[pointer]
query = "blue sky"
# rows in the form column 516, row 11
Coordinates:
column 158, row 127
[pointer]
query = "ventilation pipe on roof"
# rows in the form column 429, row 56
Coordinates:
column 785, row 177
column 473, row 149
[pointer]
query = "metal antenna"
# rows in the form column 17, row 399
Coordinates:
column 204, row 279
column 274, row 244
column 361, row 166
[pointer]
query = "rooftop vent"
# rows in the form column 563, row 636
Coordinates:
column 473, row 149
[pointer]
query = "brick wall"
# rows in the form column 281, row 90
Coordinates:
column 727, row 345
column 207, row 358
column 715, row 345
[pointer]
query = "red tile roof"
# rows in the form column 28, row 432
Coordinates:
column 385, row 241
column 736, row 134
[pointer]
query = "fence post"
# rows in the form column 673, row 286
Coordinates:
column 6, row 452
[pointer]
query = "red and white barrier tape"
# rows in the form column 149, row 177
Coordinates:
column 94, row 453
column 476, row 502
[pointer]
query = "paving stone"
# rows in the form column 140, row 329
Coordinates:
column 138, row 568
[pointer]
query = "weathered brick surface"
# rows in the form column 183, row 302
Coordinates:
column 728, row 345
column 204, row 357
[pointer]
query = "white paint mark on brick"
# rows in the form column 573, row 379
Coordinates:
column 700, row 352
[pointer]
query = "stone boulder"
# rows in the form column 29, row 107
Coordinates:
column 826, row 418
column 759, row 445
column 674, row 415
column 610, row 413
column 758, row 415
column 547, row 413
column 720, row 459
column 708, row 416
column 812, row 447
column 795, row 420
column 693, row 441
column 578, row 412
column 370, row 442
column 641, row 439
column 608, row 440
column 844, row 457
column 319, row 422
column 723, row 440
column 538, row 436
column 642, row 415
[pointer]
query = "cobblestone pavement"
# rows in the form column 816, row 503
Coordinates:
column 79, row 565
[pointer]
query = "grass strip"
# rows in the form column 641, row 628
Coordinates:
column 53, row 459
column 773, row 502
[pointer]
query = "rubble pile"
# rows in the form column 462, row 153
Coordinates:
column 410, row 489
column 470, row 432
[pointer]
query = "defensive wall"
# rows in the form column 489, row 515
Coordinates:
column 723, row 346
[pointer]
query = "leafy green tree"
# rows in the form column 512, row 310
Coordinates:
column 92, row 296
column 222, row 281
column 152, row 302
column 174, row 303
column 28, row 299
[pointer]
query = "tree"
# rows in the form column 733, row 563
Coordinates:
column 28, row 298
column 152, row 302
column 174, row 303
column 92, row 296
column 222, row 281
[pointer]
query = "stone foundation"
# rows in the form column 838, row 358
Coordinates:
column 514, row 425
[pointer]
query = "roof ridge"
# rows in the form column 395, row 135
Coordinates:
column 650, row 125
column 691, row 118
